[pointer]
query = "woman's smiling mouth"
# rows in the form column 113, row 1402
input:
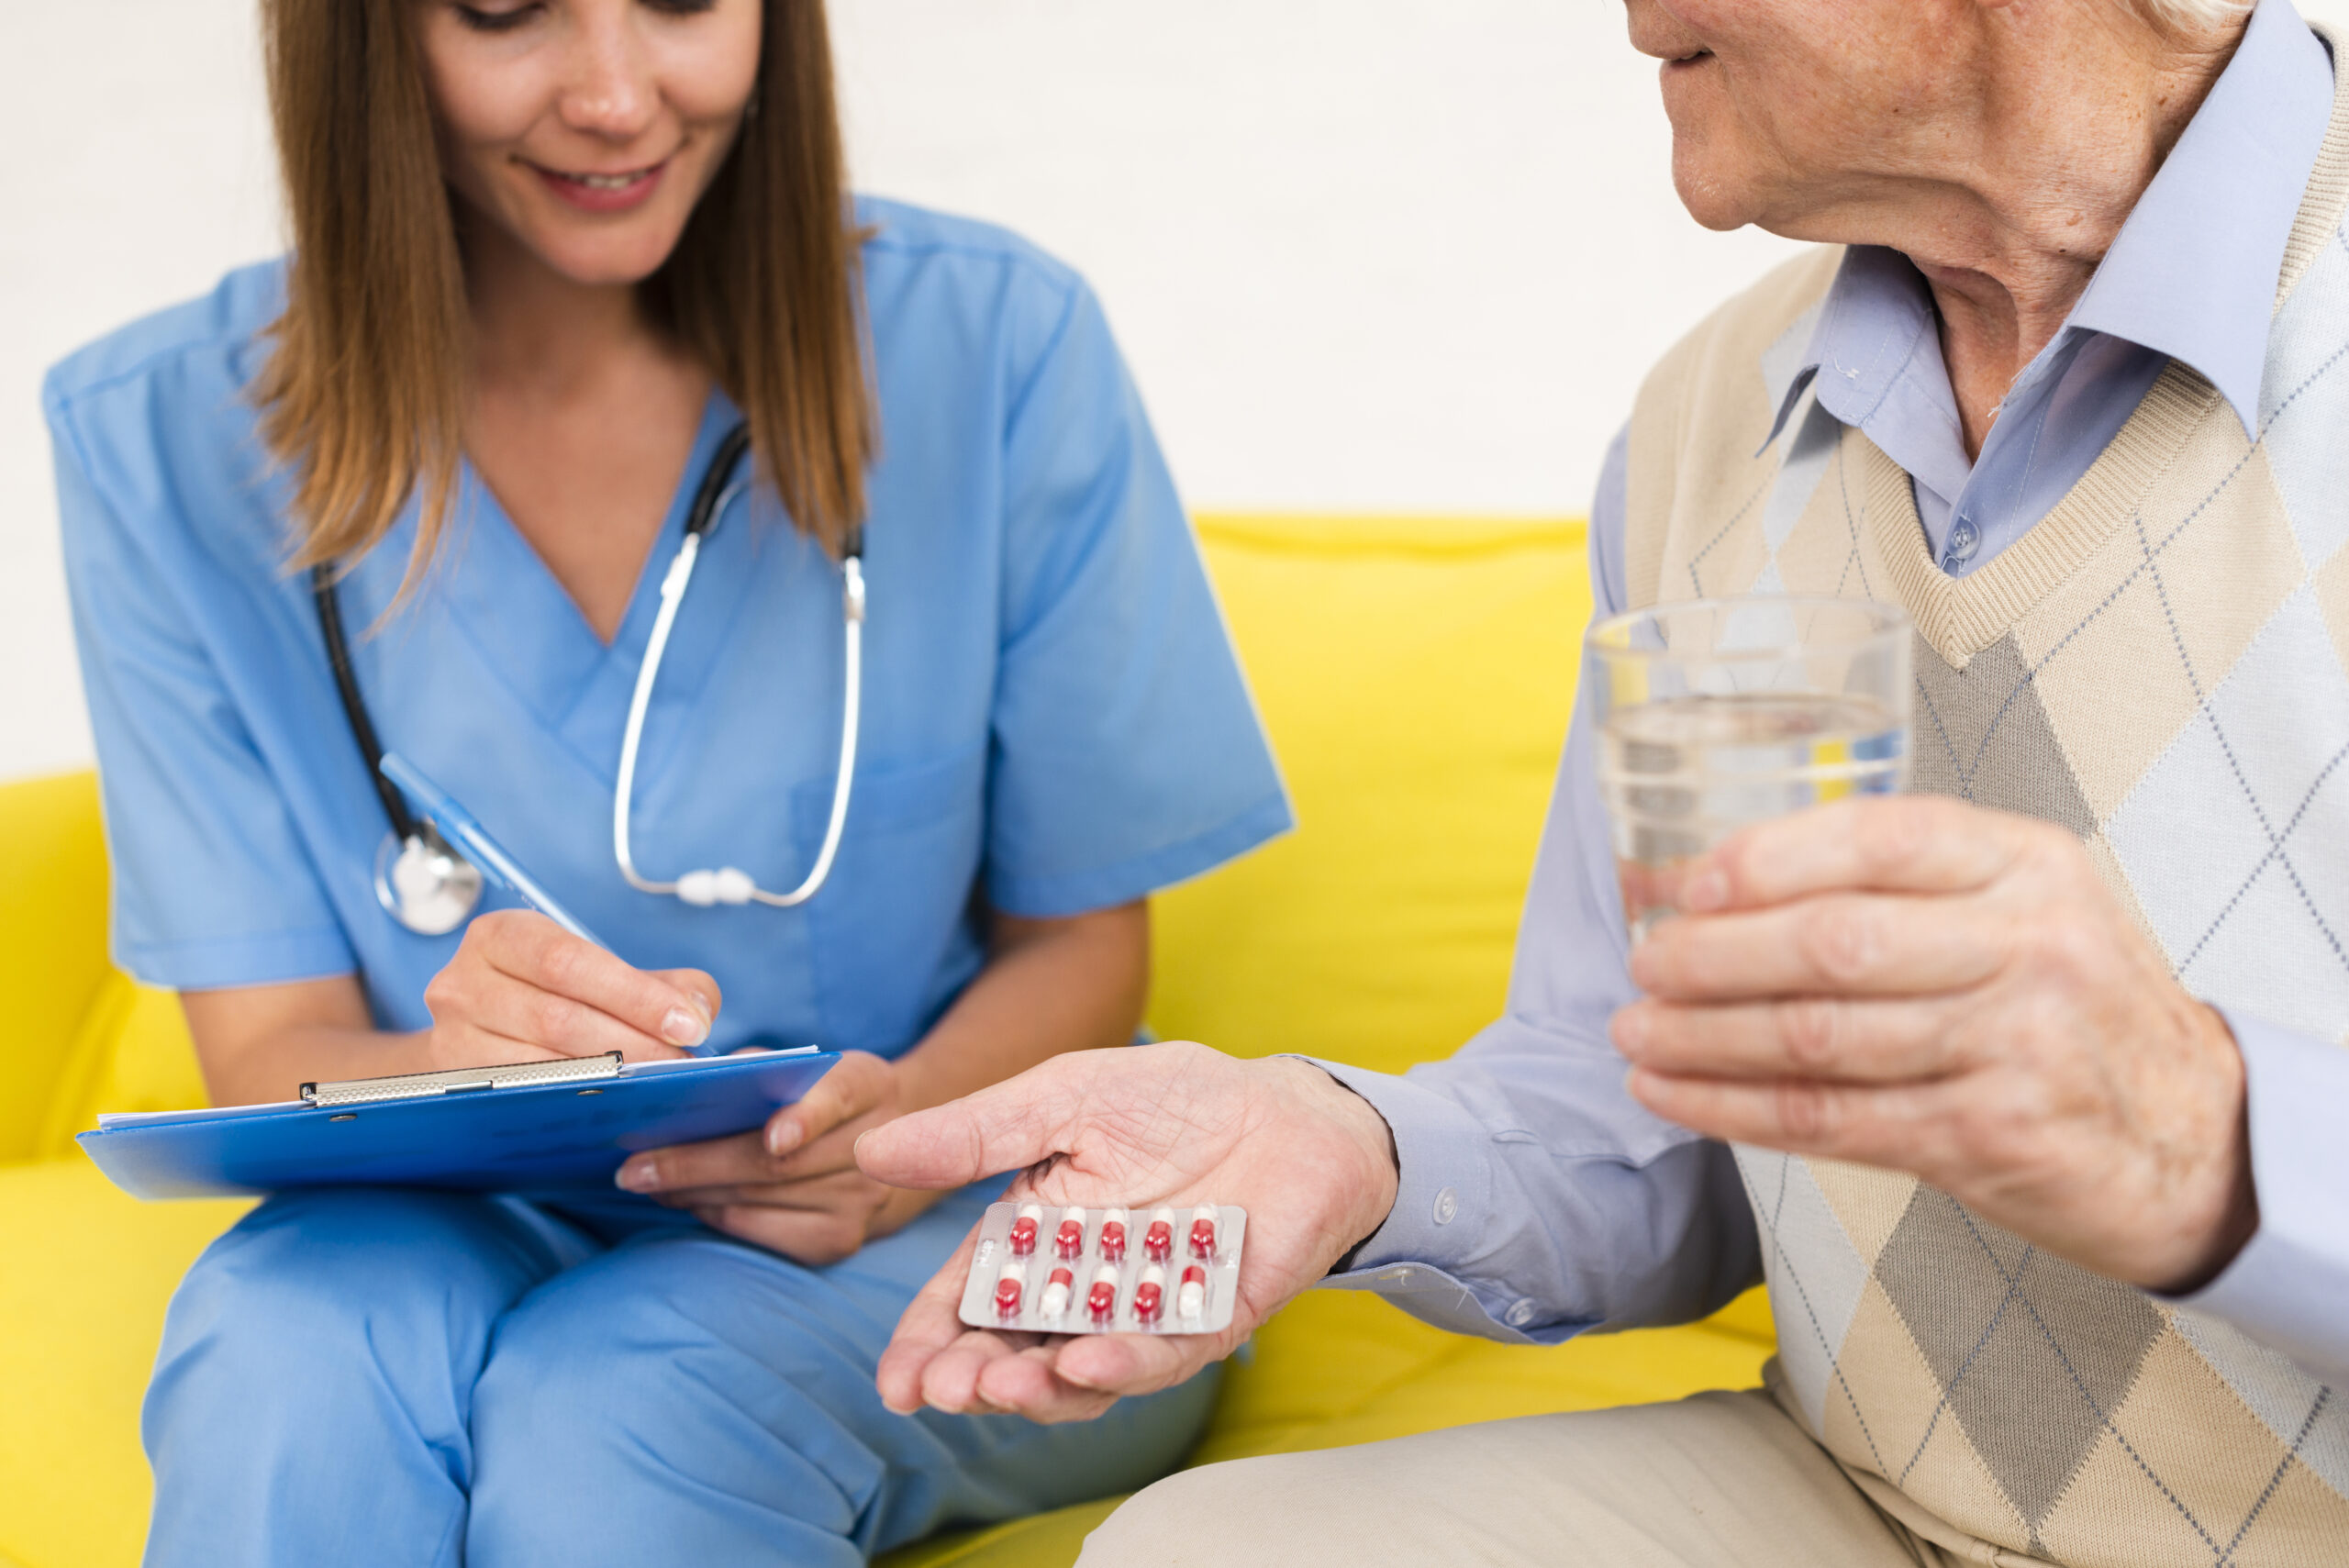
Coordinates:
column 597, row 192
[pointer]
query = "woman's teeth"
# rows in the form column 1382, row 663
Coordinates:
column 606, row 182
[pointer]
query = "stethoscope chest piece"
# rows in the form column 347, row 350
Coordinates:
column 424, row 885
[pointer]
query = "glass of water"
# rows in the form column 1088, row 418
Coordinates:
column 1721, row 712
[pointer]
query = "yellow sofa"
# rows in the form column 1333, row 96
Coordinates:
column 1416, row 675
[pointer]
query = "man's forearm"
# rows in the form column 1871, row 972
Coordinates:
column 1509, row 1234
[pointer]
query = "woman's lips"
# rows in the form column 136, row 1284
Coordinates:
column 603, row 192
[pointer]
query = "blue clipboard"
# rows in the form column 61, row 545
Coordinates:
column 533, row 1127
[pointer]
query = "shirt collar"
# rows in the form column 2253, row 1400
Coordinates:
column 2191, row 274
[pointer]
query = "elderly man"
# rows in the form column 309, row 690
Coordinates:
column 2023, row 1091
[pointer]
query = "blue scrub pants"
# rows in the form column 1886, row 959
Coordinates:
column 403, row 1378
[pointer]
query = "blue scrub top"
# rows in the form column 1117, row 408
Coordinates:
column 1054, row 719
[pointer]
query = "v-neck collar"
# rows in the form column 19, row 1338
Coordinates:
column 1959, row 616
column 530, row 633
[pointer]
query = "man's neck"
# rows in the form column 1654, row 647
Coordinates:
column 2009, row 232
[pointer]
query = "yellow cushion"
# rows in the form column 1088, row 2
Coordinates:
column 1416, row 675
column 84, row 1273
column 53, row 949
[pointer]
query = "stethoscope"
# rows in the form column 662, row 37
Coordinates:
column 430, row 888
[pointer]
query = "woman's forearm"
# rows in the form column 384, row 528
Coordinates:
column 520, row 988
column 1074, row 984
column 261, row 1043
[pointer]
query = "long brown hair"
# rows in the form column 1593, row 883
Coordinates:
column 363, row 397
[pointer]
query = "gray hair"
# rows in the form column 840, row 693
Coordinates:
column 2192, row 14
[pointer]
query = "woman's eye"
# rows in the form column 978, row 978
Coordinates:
column 682, row 7
column 487, row 21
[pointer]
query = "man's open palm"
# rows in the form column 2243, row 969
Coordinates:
column 1176, row 1124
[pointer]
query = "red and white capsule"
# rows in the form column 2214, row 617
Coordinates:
column 1150, row 1293
column 1158, row 1241
column 1008, row 1287
column 1058, row 1286
column 1023, row 1229
column 1191, row 1300
column 1069, row 1239
column 1203, row 1231
column 1113, row 1234
column 1102, row 1299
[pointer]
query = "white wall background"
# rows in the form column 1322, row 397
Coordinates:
column 1364, row 254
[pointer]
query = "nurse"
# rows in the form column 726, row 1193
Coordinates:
column 548, row 253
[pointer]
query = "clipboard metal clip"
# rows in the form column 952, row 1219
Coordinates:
column 457, row 1080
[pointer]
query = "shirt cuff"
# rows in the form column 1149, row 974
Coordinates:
column 2286, row 1287
column 1442, row 1196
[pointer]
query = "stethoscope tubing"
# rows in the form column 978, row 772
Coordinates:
column 354, row 706
column 672, row 594
column 717, row 491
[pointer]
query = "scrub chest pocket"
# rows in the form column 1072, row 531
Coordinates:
column 893, row 941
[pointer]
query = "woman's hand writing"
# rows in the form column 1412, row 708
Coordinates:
column 523, row 989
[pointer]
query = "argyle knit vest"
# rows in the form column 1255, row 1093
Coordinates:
column 2157, row 665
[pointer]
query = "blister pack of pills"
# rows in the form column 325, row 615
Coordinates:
column 1049, row 1270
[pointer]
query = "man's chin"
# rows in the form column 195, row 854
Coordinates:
column 1714, row 199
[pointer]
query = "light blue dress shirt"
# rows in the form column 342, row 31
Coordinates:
column 1538, row 1200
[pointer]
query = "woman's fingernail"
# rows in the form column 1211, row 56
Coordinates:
column 685, row 1026
column 1630, row 1032
column 783, row 1136
column 639, row 1177
column 1709, row 889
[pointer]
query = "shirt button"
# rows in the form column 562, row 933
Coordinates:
column 1447, row 1205
column 1964, row 539
column 1521, row 1314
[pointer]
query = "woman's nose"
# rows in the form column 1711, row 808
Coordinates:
column 608, row 88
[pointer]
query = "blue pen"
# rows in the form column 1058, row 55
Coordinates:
column 456, row 825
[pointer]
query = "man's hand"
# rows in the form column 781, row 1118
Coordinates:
column 1925, row 986
column 1310, row 1161
column 793, row 1187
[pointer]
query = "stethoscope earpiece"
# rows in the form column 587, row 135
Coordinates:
column 424, row 884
